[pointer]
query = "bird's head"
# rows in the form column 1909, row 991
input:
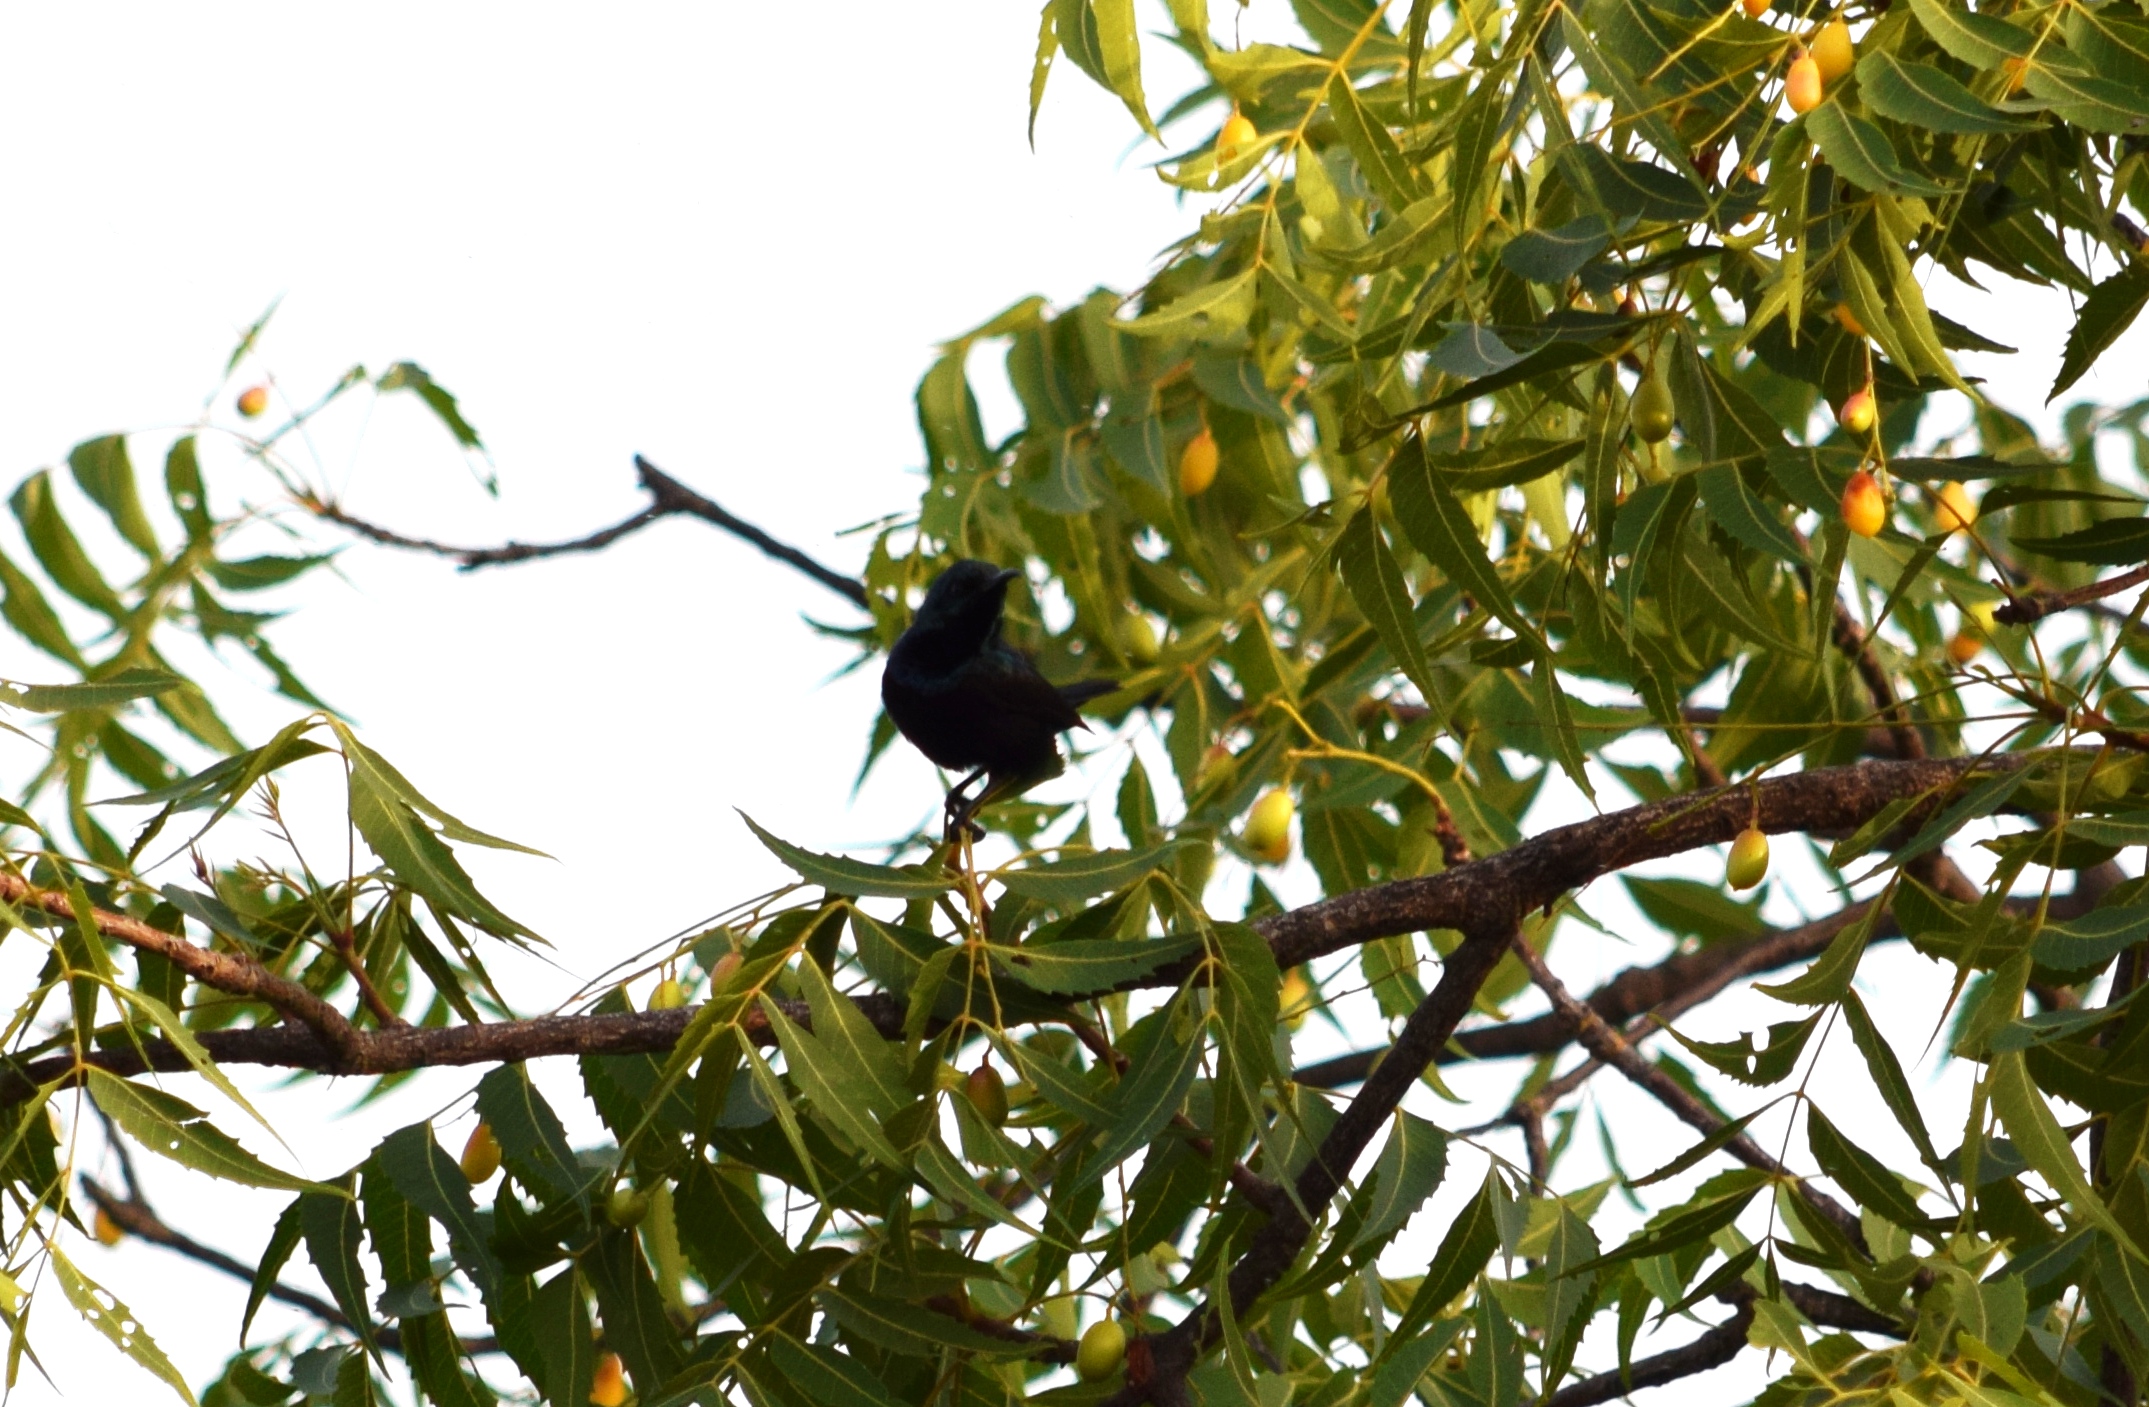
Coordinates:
column 966, row 599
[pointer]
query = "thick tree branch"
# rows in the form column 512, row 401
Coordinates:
column 668, row 498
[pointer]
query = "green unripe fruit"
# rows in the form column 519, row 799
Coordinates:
column 1652, row 411
column 626, row 1207
column 1748, row 864
column 1102, row 1350
column 669, row 996
column 987, row 1093
column 1141, row 640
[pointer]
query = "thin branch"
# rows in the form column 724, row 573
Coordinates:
column 1850, row 638
column 668, row 498
column 1614, row 1050
column 1712, row 1350
column 2035, row 606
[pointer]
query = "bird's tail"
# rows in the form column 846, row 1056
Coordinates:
column 1081, row 693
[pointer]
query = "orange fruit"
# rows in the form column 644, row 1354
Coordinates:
column 1865, row 512
column 608, row 1385
column 253, row 400
column 1845, row 316
column 1802, row 85
column 987, row 1093
column 481, row 1155
column 1755, row 9
column 107, row 1231
column 1197, row 464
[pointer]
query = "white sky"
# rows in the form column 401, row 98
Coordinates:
column 726, row 237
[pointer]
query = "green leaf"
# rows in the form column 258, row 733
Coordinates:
column 826, row 1377
column 1824, row 983
column 533, row 1143
column 433, row 1182
column 1437, row 526
column 2086, row 100
column 1376, row 583
column 2108, row 311
column 1149, row 1093
column 333, row 1229
column 1048, row 44
column 57, row 549
column 2042, row 1143
column 1862, row 153
column 114, row 1320
column 172, row 1128
column 1859, row 1172
column 1699, row 1222
column 909, row 1329
column 854, row 878
column 183, row 485
column 1706, row 1146
column 1119, row 45
column 1211, row 311
column 1763, row 1067
column 1468, row 1243
column 1692, row 909
column 2092, row 940
column 1502, row 463
column 1743, row 514
column 409, row 376
column 636, row 1326
column 2114, row 542
column 1888, row 1077
column 1081, row 966
column 135, row 682
column 386, row 811
column 869, row 1062
column 1411, row 1166
column 1073, row 878
column 1980, row 40
column 25, row 608
column 1392, row 177
column 1552, row 256
column 1924, row 96
column 842, row 1094
column 104, row 472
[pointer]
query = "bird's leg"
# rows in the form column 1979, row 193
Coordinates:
column 957, row 810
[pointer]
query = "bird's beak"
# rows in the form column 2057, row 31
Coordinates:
column 1007, row 575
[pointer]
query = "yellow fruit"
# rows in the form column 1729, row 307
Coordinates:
column 1864, row 510
column 1197, row 464
column 1858, row 412
column 1141, row 639
column 1748, row 864
column 1755, row 9
column 107, row 1231
column 1102, row 1350
column 669, row 996
column 2017, row 70
column 1802, row 85
column 1833, row 51
column 1849, row 319
column 626, row 1207
column 481, row 1154
column 1952, row 509
column 1296, row 999
column 1652, row 410
column 1236, row 135
column 253, row 400
column 987, row 1094
column 1268, row 827
column 608, row 1385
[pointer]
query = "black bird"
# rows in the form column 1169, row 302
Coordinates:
column 972, row 702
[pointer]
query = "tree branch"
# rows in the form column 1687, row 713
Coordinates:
column 2034, row 606
column 668, row 498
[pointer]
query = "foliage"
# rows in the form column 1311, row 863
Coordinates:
column 1433, row 580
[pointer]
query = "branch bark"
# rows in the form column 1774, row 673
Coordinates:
column 2034, row 606
column 668, row 498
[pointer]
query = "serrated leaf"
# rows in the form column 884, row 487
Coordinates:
column 1552, row 256
column 2092, row 940
column 433, row 1182
column 1073, row 878
column 1082, row 966
column 1979, row 40
column 1438, row 527
column 1888, row 1077
column 533, row 1142
column 1376, row 583
column 1739, row 511
column 826, row 1377
column 1411, row 1165
column 909, row 1329
column 2108, row 311
column 1220, row 307
column 1859, row 1172
column 1923, row 96
column 2114, row 542
column 1502, row 463
column 2037, row 1136
column 1119, row 45
column 172, row 1128
column 1862, row 154
column 1464, row 1248
column 841, row 1094
column 856, row 879
column 104, row 472
column 115, row 1321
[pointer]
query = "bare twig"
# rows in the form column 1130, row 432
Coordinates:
column 668, row 498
